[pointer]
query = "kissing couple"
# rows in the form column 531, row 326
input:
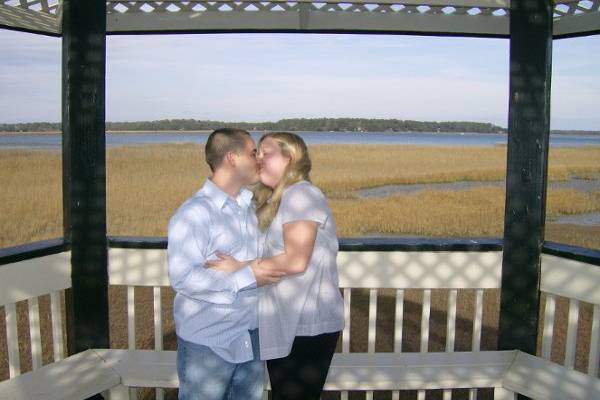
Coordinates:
column 252, row 259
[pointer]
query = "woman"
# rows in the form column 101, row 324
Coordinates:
column 300, row 317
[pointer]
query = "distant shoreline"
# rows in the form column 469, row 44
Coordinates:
column 108, row 131
column 206, row 131
column 321, row 124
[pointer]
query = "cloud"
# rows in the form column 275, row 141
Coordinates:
column 257, row 77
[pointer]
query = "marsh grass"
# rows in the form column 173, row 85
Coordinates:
column 145, row 184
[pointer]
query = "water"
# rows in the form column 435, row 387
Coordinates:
column 579, row 219
column 53, row 141
column 584, row 185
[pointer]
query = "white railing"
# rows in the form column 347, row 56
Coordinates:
column 371, row 270
column 399, row 271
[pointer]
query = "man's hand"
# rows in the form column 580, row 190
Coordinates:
column 265, row 276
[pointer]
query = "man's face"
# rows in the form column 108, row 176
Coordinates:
column 246, row 165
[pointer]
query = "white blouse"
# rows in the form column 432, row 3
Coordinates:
column 309, row 303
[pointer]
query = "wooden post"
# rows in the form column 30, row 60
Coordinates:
column 526, row 175
column 84, row 170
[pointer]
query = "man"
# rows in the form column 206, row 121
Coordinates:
column 215, row 312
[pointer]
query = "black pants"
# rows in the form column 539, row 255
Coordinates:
column 301, row 375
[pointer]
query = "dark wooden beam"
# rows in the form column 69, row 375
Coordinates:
column 526, row 175
column 84, row 170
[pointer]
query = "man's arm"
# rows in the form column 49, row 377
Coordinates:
column 188, row 240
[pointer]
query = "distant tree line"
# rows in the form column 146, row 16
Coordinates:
column 31, row 127
column 290, row 124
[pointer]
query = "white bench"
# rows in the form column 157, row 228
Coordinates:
column 508, row 372
column 354, row 371
column 73, row 378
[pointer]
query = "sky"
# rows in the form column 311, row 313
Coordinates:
column 266, row 77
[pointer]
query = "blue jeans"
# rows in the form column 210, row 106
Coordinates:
column 203, row 375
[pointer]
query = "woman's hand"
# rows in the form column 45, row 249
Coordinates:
column 225, row 263
column 265, row 275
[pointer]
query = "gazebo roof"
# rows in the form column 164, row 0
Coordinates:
column 488, row 18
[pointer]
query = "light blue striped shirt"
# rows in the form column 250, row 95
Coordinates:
column 212, row 307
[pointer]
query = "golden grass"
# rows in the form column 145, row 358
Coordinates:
column 471, row 212
column 349, row 167
column 147, row 183
column 31, row 196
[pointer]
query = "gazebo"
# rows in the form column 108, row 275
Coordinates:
column 521, row 264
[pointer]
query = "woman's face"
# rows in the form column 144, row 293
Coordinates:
column 271, row 162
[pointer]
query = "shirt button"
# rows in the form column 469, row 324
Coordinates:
column 247, row 344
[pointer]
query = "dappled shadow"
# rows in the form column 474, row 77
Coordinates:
column 391, row 274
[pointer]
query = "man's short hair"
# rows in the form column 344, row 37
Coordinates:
column 221, row 142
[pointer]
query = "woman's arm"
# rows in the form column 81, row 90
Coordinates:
column 229, row 264
column 298, row 242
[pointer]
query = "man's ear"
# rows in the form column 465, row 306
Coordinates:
column 230, row 158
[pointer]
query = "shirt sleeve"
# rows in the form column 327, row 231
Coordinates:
column 303, row 203
column 187, row 248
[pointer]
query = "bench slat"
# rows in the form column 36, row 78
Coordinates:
column 131, row 329
column 23, row 280
column 399, row 319
column 503, row 394
column 94, row 371
column 548, row 332
column 57, row 330
column 570, row 278
column 346, row 332
column 77, row 377
column 158, row 331
column 143, row 368
column 12, row 340
column 594, row 358
column 541, row 379
column 425, row 315
column 417, row 371
column 476, row 338
column 34, row 332
column 451, row 320
column 450, row 330
column 352, row 371
column 477, row 321
column 573, row 322
column 372, row 320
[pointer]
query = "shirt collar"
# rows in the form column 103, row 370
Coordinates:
column 219, row 197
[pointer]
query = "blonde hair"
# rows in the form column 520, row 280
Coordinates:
column 267, row 198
